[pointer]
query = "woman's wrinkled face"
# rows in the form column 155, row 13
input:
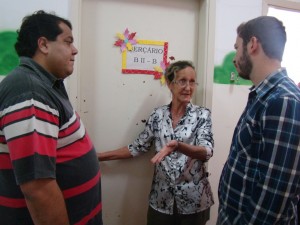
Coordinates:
column 183, row 85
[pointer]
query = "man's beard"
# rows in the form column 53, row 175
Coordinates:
column 245, row 65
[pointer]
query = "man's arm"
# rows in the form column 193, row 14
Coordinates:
column 45, row 202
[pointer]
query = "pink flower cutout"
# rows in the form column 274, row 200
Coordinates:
column 126, row 40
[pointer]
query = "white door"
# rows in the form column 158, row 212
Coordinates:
column 114, row 106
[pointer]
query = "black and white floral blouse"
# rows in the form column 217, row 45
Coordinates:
column 178, row 177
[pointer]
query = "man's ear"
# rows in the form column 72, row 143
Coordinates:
column 253, row 45
column 43, row 44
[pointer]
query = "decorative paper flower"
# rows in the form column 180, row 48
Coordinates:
column 125, row 40
column 160, row 71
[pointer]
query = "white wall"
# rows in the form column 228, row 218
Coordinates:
column 13, row 11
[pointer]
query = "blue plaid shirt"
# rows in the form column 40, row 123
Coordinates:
column 260, row 180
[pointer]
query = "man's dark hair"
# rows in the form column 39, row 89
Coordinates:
column 269, row 31
column 39, row 24
column 170, row 73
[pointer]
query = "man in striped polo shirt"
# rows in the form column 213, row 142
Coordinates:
column 49, row 172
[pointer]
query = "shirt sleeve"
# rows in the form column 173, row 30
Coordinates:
column 143, row 142
column 278, row 165
column 204, row 133
column 31, row 131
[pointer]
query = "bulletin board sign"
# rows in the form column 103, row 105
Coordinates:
column 145, row 56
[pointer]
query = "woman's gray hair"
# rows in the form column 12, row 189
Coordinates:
column 171, row 70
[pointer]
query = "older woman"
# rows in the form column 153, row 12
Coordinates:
column 181, row 133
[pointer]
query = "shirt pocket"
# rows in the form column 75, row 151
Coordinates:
column 249, row 139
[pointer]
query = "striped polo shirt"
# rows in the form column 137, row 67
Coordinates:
column 41, row 136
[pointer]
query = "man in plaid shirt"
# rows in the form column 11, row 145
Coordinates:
column 260, row 179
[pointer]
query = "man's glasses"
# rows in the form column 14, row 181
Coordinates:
column 184, row 83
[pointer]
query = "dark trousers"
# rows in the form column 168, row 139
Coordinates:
column 298, row 208
column 157, row 218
